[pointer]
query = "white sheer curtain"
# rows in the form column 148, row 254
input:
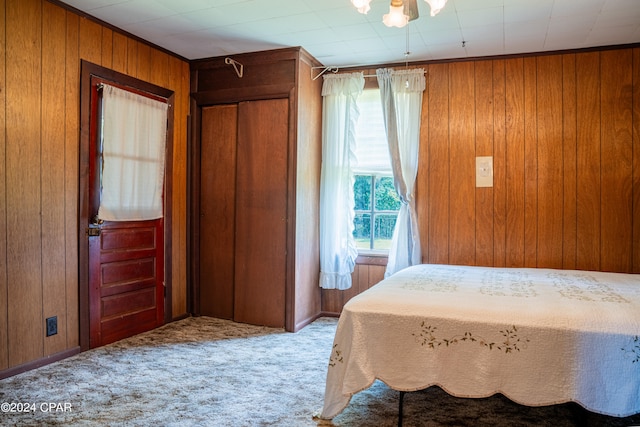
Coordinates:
column 401, row 95
column 339, row 117
column 133, row 146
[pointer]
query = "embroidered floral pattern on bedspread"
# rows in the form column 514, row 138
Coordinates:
column 632, row 351
column 336, row 356
column 507, row 283
column 584, row 287
column 439, row 279
column 512, row 342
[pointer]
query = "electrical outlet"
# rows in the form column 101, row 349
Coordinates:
column 52, row 325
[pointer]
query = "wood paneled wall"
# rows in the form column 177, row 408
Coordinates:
column 367, row 272
column 41, row 46
column 564, row 133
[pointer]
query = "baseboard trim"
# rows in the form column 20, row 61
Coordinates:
column 181, row 317
column 305, row 322
column 39, row 363
column 328, row 314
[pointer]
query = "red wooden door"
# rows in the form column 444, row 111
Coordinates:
column 126, row 263
column 126, row 291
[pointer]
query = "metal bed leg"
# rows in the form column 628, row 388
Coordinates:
column 400, row 408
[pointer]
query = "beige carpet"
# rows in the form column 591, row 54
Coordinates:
column 210, row 372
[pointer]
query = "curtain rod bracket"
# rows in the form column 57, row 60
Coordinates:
column 333, row 69
column 238, row 67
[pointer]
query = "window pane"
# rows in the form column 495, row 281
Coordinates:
column 372, row 149
column 362, row 192
column 386, row 198
column 384, row 224
column 362, row 231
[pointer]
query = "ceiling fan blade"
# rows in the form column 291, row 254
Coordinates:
column 411, row 9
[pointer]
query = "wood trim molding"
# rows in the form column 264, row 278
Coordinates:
column 39, row 363
column 228, row 96
column 116, row 29
column 489, row 58
column 89, row 70
column 372, row 259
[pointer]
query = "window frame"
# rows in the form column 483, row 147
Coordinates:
column 374, row 173
column 373, row 212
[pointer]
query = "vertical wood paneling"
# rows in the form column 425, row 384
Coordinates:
column 359, row 281
column 24, row 257
column 376, row 274
column 422, row 178
column 617, row 160
column 159, row 63
column 636, row 160
column 90, row 41
column 71, row 120
column 363, row 277
column 4, row 343
column 530, row 164
column 179, row 72
column 41, row 46
column 499, row 166
column 132, row 57
column 180, row 80
column 438, row 164
column 549, row 154
column 462, row 164
column 332, row 301
column 588, row 160
column 107, row 48
column 306, row 107
column 514, row 162
column 569, row 166
column 119, row 53
column 144, row 62
column 53, row 179
column 484, row 106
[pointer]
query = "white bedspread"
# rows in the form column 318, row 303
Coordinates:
column 538, row 336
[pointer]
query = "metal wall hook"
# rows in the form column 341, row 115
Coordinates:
column 333, row 69
column 236, row 66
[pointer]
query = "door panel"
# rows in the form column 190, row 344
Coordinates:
column 126, row 289
column 261, row 212
column 217, row 209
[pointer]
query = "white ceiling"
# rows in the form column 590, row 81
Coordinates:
column 336, row 34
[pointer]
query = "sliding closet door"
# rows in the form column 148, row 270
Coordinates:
column 217, row 210
column 261, row 212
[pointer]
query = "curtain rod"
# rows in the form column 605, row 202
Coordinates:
column 334, row 69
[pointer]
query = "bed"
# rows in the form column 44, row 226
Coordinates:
column 538, row 336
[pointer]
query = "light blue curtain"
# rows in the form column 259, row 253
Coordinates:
column 401, row 95
column 338, row 250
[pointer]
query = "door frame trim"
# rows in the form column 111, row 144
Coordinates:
column 87, row 71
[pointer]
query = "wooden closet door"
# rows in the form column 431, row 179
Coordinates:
column 217, row 209
column 261, row 212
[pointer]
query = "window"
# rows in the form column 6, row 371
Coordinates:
column 376, row 201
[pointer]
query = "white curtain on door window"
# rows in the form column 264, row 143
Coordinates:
column 401, row 95
column 338, row 250
column 133, row 155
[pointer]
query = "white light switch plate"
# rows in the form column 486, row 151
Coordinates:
column 484, row 171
